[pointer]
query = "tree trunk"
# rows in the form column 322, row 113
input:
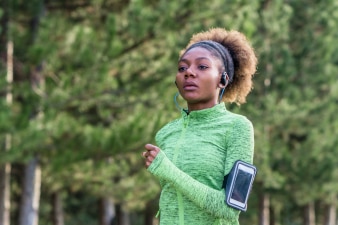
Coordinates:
column 150, row 211
column 106, row 211
column 331, row 213
column 5, row 170
column 57, row 210
column 264, row 209
column 309, row 214
column 122, row 217
column 272, row 214
column 31, row 194
column 32, row 175
column 148, row 216
column 32, row 178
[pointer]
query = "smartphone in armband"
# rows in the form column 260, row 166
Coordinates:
column 238, row 184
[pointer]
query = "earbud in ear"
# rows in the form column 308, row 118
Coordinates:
column 224, row 78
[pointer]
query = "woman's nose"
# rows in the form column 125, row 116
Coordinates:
column 189, row 72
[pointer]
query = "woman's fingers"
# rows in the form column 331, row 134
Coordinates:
column 151, row 147
column 150, row 154
column 145, row 154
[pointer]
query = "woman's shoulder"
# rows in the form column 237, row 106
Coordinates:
column 244, row 125
column 237, row 117
column 239, row 120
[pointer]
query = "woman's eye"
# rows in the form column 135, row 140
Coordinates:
column 202, row 67
column 182, row 69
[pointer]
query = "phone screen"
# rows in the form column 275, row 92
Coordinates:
column 241, row 186
column 238, row 184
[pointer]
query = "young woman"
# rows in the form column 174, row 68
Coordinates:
column 195, row 152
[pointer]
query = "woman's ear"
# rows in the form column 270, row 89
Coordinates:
column 221, row 85
column 224, row 80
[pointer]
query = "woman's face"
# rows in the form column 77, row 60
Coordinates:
column 198, row 78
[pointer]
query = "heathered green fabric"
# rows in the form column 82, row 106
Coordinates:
column 197, row 151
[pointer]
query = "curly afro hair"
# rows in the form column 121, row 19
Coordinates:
column 243, row 56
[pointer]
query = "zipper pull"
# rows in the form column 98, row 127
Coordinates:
column 186, row 121
column 158, row 213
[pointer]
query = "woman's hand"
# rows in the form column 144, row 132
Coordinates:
column 150, row 154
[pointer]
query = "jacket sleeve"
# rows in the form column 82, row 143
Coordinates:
column 207, row 198
column 202, row 195
column 241, row 144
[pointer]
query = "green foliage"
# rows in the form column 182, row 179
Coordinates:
column 94, row 82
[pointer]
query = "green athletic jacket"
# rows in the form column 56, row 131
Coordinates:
column 197, row 151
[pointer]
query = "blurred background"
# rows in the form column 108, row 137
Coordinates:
column 86, row 83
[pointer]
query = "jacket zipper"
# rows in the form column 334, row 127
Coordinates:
column 179, row 195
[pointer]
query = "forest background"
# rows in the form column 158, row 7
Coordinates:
column 86, row 83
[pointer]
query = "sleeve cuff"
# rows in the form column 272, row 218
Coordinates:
column 156, row 162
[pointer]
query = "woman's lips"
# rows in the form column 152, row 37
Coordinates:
column 189, row 86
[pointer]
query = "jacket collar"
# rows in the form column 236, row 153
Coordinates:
column 207, row 113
